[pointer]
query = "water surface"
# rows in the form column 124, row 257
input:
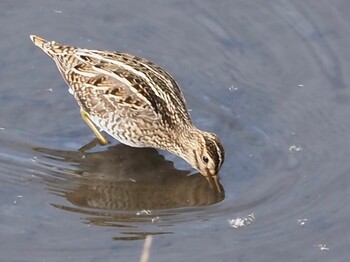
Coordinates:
column 270, row 78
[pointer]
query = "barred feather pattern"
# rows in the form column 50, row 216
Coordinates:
column 121, row 91
column 135, row 101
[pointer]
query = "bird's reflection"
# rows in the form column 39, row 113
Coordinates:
column 125, row 178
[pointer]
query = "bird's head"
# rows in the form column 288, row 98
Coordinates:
column 204, row 152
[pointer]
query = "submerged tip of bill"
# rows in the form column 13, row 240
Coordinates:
column 214, row 182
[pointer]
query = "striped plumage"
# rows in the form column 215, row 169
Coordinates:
column 134, row 101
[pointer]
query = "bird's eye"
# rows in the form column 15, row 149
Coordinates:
column 205, row 159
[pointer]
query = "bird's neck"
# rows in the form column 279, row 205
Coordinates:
column 186, row 141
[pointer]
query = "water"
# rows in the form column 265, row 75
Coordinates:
column 271, row 78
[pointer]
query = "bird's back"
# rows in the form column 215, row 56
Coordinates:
column 112, row 78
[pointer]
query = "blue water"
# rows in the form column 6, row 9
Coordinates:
column 270, row 78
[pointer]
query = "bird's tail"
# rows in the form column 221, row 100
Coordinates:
column 38, row 41
column 51, row 48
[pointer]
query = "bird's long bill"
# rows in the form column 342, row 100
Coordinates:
column 214, row 182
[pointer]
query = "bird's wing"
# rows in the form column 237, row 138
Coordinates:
column 130, row 81
column 105, row 93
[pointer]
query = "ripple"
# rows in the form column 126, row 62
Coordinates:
column 268, row 78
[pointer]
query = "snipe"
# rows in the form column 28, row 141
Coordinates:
column 134, row 101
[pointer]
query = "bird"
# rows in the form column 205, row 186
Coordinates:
column 136, row 102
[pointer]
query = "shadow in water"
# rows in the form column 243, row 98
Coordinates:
column 107, row 184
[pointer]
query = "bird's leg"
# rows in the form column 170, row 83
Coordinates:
column 102, row 140
column 89, row 145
